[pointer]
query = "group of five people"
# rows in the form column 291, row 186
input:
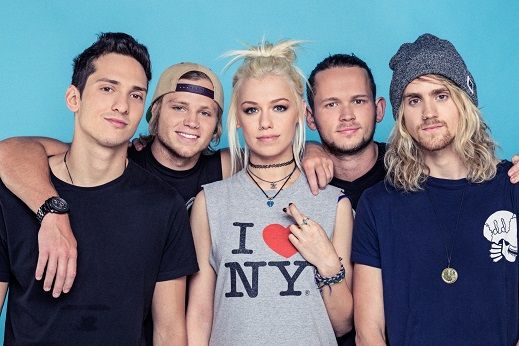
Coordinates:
column 273, row 259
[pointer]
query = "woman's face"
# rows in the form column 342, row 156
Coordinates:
column 268, row 113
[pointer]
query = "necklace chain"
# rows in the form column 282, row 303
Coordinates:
column 270, row 200
column 66, row 166
column 272, row 165
column 450, row 245
column 272, row 183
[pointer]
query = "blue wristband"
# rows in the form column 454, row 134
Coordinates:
column 321, row 281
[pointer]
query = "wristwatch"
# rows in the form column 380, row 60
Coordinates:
column 55, row 205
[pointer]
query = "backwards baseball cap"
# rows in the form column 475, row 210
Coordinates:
column 428, row 55
column 168, row 83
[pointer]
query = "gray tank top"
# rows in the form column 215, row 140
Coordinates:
column 265, row 290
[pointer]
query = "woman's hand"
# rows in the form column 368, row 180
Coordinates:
column 309, row 238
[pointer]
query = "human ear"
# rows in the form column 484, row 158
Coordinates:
column 310, row 120
column 380, row 108
column 72, row 98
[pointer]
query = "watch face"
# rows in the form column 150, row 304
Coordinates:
column 58, row 205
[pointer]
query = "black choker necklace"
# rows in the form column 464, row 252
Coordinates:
column 270, row 200
column 272, row 165
column 66, row 166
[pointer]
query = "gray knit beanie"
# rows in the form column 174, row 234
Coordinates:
column 428, row 55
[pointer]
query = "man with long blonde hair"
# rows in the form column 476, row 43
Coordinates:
column 435, row 245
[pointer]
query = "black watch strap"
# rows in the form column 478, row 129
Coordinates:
column 55, row 205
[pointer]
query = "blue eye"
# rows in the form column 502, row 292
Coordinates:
column 280, row 108
column 250, row 110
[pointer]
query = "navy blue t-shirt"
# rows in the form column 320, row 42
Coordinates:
column 406, row 235
column 353, row 190
column 132, row 232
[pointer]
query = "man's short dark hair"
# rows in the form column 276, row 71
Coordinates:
column 338, row 60
column 109, row 42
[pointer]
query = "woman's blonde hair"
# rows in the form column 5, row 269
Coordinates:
column 258, row 62
column 404, row 159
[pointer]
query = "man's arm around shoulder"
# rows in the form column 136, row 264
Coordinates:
column 24, row 170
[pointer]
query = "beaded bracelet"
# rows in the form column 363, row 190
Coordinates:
column 321, row 281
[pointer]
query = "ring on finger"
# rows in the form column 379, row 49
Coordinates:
column 305, row 220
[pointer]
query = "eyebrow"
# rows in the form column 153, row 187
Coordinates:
column 115, row 82
column 361, row 95
column 336, row 99
column 273, row 101
column 280, row 99
column 410, row 95
column 434, row 92
column 178, row 102
column 328, row 99
column 183, row 103
column 439, row 91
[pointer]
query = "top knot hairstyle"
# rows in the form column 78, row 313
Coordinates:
column 259, row 61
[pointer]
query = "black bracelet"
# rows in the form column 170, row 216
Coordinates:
column 321, row 281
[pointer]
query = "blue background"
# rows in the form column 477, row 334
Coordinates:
column 39, row 39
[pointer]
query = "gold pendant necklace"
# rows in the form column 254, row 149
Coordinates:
column 449, row 275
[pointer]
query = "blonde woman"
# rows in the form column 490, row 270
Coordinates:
column 274, row 259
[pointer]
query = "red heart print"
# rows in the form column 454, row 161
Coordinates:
column 276, row 237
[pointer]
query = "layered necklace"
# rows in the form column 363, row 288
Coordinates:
column 273, row 184
column 449, row 274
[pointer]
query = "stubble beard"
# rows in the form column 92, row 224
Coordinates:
column 339, row 151
column 434, row 142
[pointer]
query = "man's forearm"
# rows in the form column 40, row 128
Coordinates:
column 24, row 170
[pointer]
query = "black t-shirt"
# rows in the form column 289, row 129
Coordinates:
column 188, row 183
column 353, row 189
column 132, row 232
